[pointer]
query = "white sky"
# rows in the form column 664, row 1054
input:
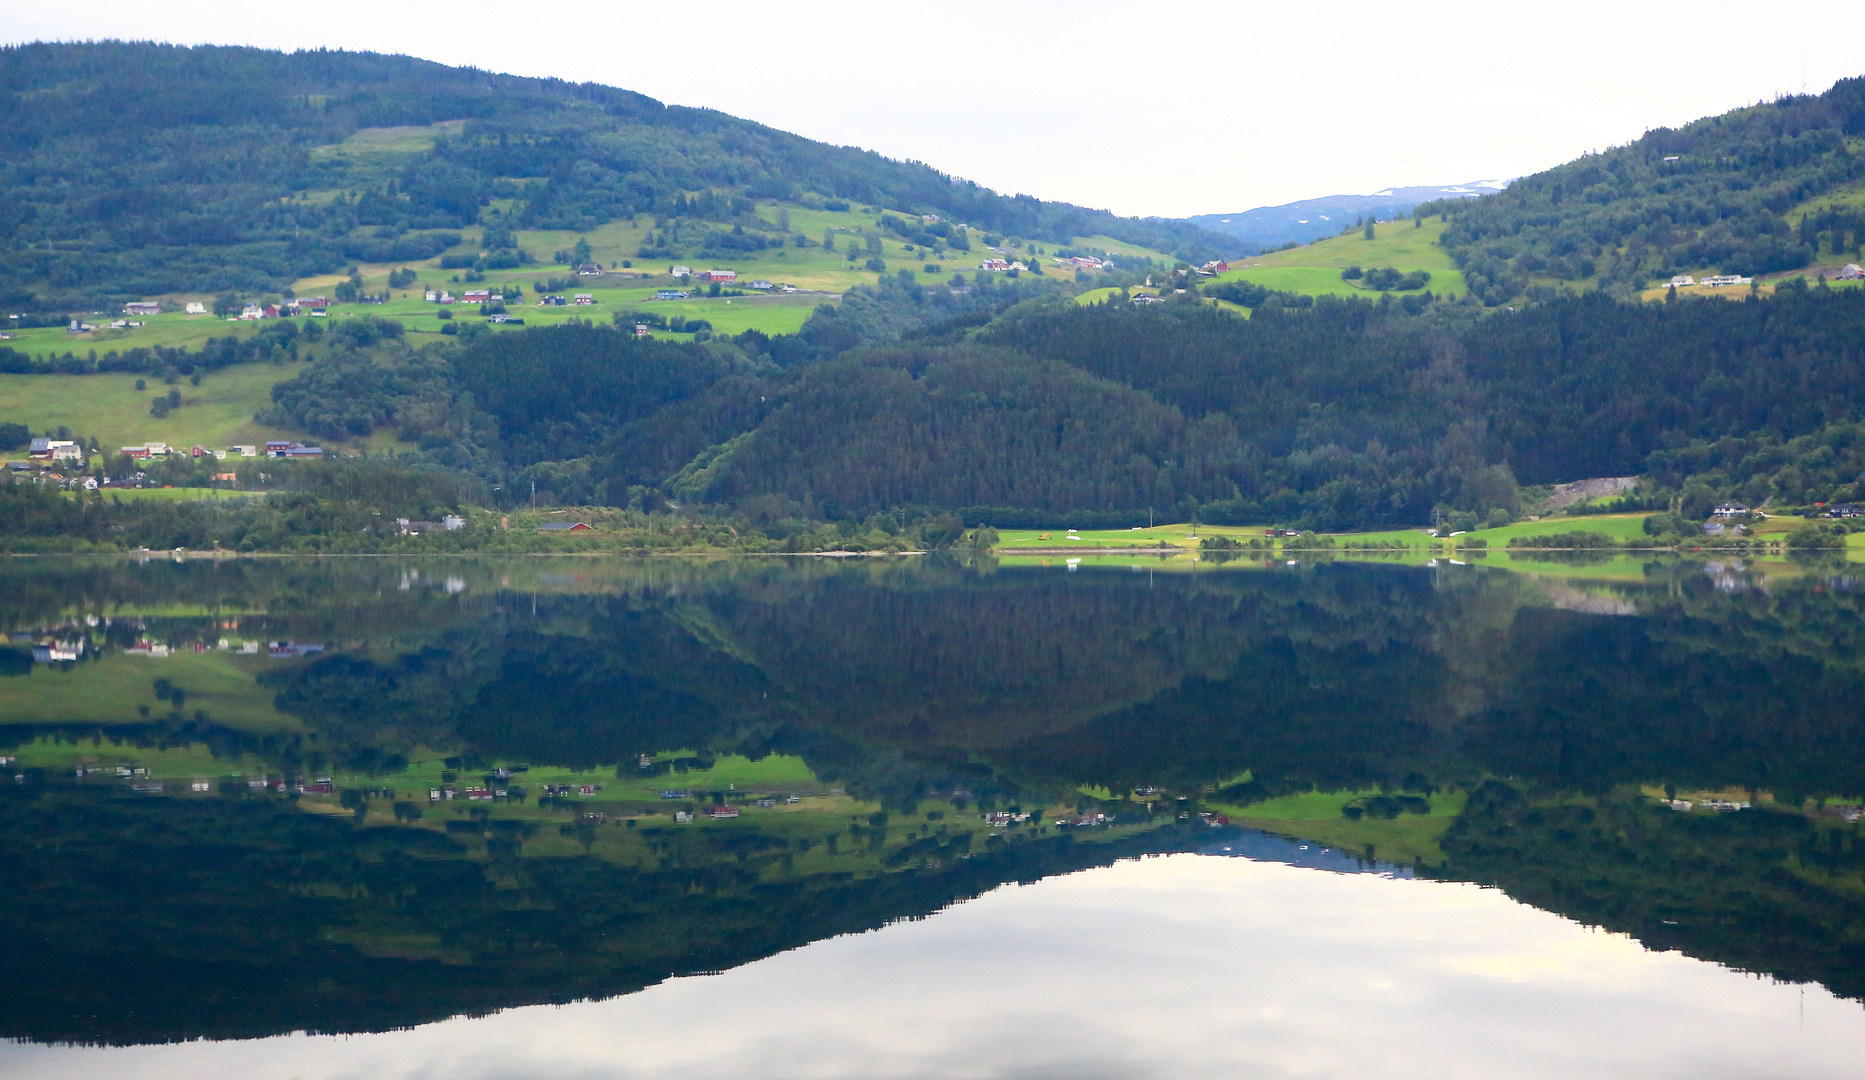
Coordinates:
column 1183, row 966
column 1193, row 107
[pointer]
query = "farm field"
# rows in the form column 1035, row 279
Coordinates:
column 173, row 494
column 614, row 245
column 217, row 413
column 1314, row 270
column 173, row 330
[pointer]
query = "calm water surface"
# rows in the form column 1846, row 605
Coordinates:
column 892, row 819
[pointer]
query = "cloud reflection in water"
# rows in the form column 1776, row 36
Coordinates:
column 1179, row 965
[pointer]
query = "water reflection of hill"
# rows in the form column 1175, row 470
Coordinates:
column 156, row 920
column 907, row 683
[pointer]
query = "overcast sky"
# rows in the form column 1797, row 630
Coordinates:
column 1194, row 107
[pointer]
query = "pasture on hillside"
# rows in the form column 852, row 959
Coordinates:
column 216, row 414
column 1315, row 270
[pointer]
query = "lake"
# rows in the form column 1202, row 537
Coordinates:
column 930, row 817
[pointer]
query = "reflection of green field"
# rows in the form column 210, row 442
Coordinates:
column 170, row 763
column 1317, row 816
column 108, row 691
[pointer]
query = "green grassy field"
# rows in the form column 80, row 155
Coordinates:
column 182, row 494
column 170, row 329
column 820, row 273
column 215, row 414
column 1314, row 270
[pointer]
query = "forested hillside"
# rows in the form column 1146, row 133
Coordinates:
column 133, row 169
column 1709, row 195
column 1016, row 408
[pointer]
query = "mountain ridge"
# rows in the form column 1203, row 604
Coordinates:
column 1307, row 220
column 220, row 183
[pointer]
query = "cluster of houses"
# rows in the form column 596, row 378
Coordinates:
column 721, row 276
column 1212, row 268
column 314, row 306
column 276, row 650
column 1000, row 265
column 55, row 450
column 1714, row 280
column 405, row 527
column 274, row 448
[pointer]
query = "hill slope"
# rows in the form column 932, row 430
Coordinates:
column 1711, row 195
column 244, row 169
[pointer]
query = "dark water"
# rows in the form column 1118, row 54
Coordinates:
column 920, row 818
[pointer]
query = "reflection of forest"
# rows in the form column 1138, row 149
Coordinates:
column 905, row 681
column 162, row 919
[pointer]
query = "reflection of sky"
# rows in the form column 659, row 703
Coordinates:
column 1171, row 966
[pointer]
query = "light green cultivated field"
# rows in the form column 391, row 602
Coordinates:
column 1314, row 270
column 376, row 154
column 183, row 494
column 215, row 414
column 170, row 329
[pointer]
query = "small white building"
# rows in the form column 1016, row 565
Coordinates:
column 195, row 307
column 1683, row 279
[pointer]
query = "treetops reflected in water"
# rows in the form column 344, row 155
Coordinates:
column 251, row 797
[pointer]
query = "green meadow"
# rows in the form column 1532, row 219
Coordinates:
column 1314, row 270
column 215, row 414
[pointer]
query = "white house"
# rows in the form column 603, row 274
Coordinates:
column 1717, row 280
column 142, row 307
column 195, row 307
column 1683, row 279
